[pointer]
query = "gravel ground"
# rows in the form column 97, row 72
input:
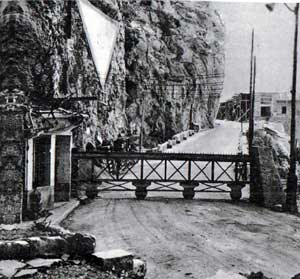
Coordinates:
column 71, row 270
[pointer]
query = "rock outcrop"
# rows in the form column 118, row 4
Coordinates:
column 167, row 65
column 174, row 57
column 270, row 168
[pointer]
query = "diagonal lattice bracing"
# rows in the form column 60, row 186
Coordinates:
column 212, row 188
column 164, row 186
column 128, row 170
column 106, row 169
column 154, row 170
column 177, row 170
column 224, row 171
column 114, row 186
column 201, row 171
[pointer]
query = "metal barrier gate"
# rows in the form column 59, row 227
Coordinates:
column 164, row 172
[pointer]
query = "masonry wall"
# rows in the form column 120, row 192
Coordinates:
column 12, row 160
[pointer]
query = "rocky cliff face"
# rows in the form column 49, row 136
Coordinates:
column 166, row 67
column 106, row 118
column 174, row 65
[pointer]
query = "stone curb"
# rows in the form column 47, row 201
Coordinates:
column 57, row 220
column 176, row 139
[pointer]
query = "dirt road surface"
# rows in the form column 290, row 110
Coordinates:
column 194, row 239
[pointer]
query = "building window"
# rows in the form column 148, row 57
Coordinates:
column 42, row 158
column 266, row 100
column 265, row 111
column 283, row 110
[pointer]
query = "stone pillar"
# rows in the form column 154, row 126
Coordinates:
column 141, row 189
column 189, row 189
column 12, row 157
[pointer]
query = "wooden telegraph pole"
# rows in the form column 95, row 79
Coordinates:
column 292, row 180
column 291, row 191
column 251, row 116
column 254, row 195
column 253, row 95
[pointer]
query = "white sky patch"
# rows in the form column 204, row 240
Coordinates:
column 101, row 32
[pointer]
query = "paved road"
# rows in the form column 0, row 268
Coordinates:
column 223, row 139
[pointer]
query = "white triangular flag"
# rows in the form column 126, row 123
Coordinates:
column 101, row 32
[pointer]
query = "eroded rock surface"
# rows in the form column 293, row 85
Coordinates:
column 168, row 54
column 174, row 57
column 270, row 170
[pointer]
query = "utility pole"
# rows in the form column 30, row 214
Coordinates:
column 251, row 117
column 291, row 191
column 253, row 188
column 253, row 93
column 292, row 180
column 241, row 113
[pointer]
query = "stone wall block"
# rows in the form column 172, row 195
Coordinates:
column 15, row 250
column 51, row 246
column 81, row 244
column 116, row 260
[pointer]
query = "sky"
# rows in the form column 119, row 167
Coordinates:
column 274, row 37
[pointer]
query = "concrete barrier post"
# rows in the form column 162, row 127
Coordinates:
column 141, row 189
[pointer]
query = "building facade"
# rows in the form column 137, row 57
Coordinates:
column 236, row 108
column 268, row 106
